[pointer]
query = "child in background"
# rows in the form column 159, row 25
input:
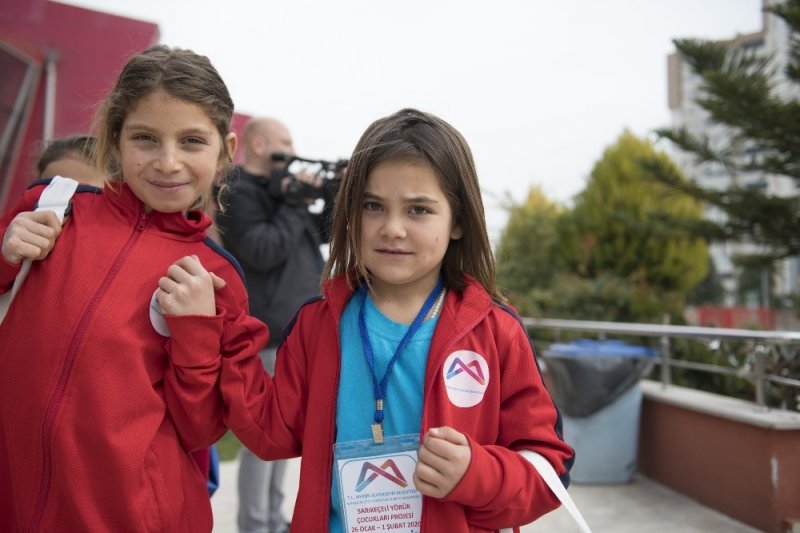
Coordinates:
column 110, row 366
column 410, row 353
column 71, row 157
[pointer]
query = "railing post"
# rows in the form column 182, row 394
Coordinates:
column 666, row 358
column 759, row 375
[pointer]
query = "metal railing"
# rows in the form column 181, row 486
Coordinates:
column 762, row 346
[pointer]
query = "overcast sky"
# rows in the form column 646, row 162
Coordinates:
column 539, row 88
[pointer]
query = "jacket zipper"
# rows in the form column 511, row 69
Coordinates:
column 58, row 395
column 427, row 386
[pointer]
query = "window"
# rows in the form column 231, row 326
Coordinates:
column 17, row 92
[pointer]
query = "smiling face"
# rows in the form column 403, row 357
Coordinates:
column 406, row 226
column 170, row 152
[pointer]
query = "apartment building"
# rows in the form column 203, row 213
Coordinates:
column 683, row 90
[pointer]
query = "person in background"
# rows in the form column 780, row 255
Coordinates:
column 109, row 375
column 71, row 157
column 267, row 225
column 410, row 366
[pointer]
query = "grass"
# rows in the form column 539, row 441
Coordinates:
column 228, row 447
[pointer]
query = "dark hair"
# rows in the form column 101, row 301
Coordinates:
column 414, row 135
column 80, row 146
column 180, row 73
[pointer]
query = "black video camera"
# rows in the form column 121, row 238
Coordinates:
column 299, row 192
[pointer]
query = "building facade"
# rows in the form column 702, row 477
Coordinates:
column 684, row 87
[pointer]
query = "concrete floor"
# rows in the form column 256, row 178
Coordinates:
column 641, row 506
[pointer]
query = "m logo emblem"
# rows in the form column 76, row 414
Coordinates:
column 472, row 368
column 466, row 376
column 387, row 470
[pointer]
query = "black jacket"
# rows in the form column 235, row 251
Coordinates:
column 278, row 246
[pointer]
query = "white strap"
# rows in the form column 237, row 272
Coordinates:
column 55, row 197
column 551, row 478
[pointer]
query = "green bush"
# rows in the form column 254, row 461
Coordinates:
column 228, row 447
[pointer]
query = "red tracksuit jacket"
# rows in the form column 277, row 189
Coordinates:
column 294, row 413
column 98, row 410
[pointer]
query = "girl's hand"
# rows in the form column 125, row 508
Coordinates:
column 30, row 235
column 188, row 288
column 443, row 459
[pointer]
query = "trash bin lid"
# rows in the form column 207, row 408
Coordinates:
column 594, row 348
column 589, row 374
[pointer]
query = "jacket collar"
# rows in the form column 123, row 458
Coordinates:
column 124, row 203
column 460, row 312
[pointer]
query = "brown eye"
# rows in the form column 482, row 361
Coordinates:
column 143, row 137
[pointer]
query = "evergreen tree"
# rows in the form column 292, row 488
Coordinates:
column 603, row 260
column 610, row 238
column 709, row 291
column 611, row 221
column 525, row 254
column 760, row 112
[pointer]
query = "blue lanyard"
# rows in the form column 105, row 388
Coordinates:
column 379, row 386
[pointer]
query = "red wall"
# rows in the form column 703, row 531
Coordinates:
column 736, row 317
column 747, row 472
column 91, row 48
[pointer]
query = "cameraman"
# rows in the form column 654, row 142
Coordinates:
column 277, row 241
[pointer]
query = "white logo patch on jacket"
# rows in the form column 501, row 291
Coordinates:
column 157, row 317
column 466, row 376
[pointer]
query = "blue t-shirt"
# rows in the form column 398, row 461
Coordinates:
column 355, row 406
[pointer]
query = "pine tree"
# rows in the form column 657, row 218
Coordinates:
column 742, row 93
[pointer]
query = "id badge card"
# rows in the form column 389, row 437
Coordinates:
column 376, row 485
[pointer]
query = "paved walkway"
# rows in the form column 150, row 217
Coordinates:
column 641, row 506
